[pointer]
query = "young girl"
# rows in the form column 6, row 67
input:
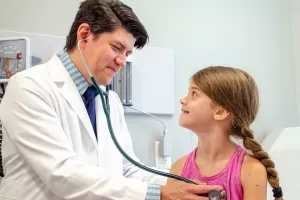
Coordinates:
column 221, row 102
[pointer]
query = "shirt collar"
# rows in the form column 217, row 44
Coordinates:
column 79, row 80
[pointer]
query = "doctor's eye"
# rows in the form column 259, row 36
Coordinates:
column 115, row 48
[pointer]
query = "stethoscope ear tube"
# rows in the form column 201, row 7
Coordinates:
column 106, row 108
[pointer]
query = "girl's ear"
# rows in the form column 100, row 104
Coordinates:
column 220, row 113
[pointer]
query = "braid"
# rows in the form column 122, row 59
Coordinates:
column 236, row 92
column 251, row 144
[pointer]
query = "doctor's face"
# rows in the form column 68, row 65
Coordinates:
column 106, row 54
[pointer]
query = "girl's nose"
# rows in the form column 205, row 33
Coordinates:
column 183, row 101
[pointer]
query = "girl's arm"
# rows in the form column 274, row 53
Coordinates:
column 254, row 179
column 177, row 168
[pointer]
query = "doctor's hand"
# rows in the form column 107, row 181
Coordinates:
column 178, row 190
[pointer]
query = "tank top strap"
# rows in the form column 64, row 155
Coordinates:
column 238, row 157
column 190, row 159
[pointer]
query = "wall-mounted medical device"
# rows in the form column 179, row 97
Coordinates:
column 122, row 84
column 14, row 56
column 151, row 68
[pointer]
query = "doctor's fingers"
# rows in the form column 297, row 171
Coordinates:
column 181, row 194
column 191, row 197
column 202, row 189
column 198, row 182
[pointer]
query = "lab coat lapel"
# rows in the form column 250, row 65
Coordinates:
column 69, row 91
column 102, row 126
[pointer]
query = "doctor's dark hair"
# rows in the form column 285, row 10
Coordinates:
column 106, row 16
column 236, row 91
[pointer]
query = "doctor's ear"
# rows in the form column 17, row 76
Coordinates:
column 220, row 113
column 83, row 32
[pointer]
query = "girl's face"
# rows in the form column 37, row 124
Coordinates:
column 198, row 110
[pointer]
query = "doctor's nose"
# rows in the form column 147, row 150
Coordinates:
column 121, row 61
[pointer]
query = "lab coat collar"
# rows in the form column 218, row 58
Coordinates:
column 68, row 89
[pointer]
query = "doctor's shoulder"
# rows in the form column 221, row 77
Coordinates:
column 38, row 72
column 31, row 80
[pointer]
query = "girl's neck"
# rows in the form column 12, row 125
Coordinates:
column 214, row 146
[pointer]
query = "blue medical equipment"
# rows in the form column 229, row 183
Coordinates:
column 212, row 195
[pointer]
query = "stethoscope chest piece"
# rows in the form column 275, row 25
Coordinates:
column 216, row 195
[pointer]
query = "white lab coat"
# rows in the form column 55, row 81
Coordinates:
column 49, row 148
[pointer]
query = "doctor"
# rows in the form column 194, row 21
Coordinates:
column 54, row 147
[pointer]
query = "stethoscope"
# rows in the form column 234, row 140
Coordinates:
column 212, row 195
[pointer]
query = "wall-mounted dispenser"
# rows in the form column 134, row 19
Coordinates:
column 122, row 84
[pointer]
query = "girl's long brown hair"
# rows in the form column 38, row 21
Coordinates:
column 236, row 91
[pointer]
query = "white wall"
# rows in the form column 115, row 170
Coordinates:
column 38, row 16
column 296, row 45
column 254, row 35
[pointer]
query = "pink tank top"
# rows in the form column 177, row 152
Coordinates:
column 229, row 177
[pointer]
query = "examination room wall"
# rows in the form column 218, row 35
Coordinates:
column 295, row 4
column 253, row 35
